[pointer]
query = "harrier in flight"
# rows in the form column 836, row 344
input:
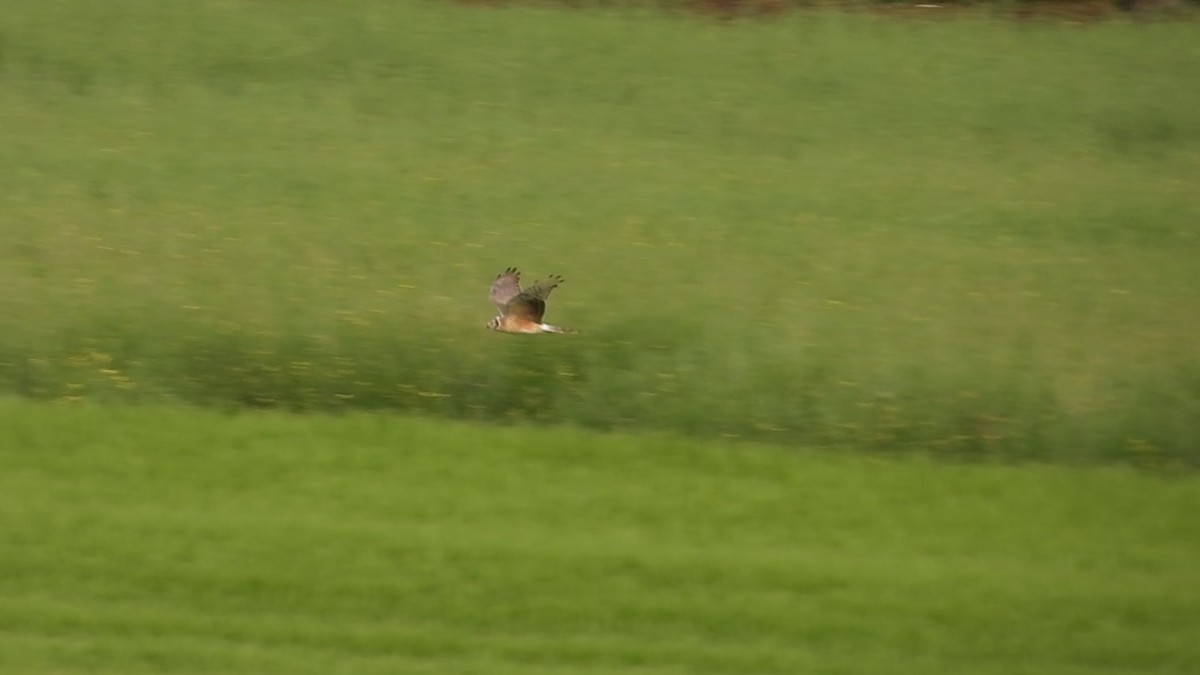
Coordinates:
column 521, row 310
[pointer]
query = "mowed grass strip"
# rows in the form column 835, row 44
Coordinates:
column 166, row 540
column 968, row 237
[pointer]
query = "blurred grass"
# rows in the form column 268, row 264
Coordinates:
column 969, row 237
column 145, row 539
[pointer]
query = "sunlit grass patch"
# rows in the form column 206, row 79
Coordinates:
column 167, row 539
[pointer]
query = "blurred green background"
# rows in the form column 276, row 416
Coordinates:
column 973, row 236
column 251, row 420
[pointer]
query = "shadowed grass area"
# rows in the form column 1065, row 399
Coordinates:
column 169, row 540
column 969, row 237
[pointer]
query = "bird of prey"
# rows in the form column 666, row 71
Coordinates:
column 521, row 310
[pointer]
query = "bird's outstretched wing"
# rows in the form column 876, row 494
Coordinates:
column 541, row 289
column 505, row 288
column 530, row 304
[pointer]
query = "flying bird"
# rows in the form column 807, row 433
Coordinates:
column 521, row 310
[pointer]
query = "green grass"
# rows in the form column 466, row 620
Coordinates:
column 972, row 237
column 163, row 540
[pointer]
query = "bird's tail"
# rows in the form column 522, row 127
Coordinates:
column 561, row 330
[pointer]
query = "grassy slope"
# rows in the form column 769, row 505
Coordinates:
column 968, row 236
column 165, row 540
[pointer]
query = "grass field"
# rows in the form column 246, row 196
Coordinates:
column 162, row 540
column 972, row 237
column 809, row 257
